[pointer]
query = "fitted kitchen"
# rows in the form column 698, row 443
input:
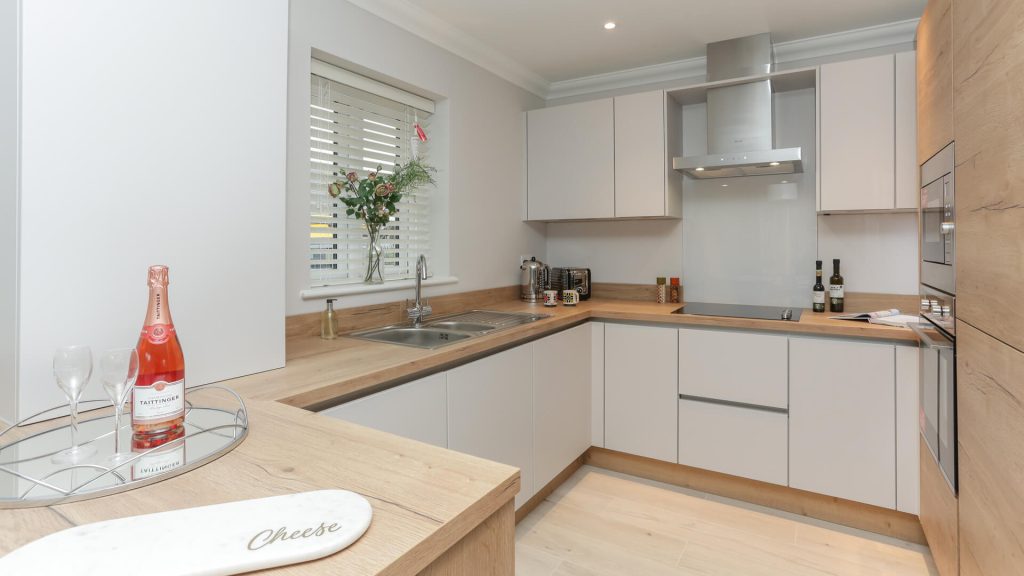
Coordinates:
column 537, row 288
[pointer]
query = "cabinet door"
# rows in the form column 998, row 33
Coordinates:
column 734, row 366
column 858, row 134
column 641, row 390
column 935, row 78
column 640, row 155
column 908, row 433
column 842, row 419
column 597, row 384
column 908, row 191
column 414, row 410
column 490, row 411
column 561, row 401
column 571, row 161
column 734, row 440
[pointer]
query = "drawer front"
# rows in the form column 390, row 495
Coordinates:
column 734, row 366
column 734, row 440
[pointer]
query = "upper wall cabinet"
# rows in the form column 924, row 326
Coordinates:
column 935, row 79
column 867, row 135
column 571, row 162
column 602, row 159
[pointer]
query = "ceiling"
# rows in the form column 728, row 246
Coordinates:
column 564, row 39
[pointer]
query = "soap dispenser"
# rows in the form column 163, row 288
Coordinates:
column 327, row 322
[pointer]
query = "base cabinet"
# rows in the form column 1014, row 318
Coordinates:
column 561, row 401
column 640, row 392
column 735, row 440
column 842, row 423
column 490, row 411
column 416, row 410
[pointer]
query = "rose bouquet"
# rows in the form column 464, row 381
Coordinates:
column 374, row 200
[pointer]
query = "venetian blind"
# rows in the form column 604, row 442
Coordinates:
column 353, row 129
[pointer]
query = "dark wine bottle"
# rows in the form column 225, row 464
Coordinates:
column 818, row 292
column 835, row 288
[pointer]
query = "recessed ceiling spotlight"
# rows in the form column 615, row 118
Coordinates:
column 609, row 25
column 725, row 185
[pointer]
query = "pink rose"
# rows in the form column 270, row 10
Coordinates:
column 352, row 177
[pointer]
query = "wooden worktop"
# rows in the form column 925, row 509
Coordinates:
column 425, row 499
column 322, row 373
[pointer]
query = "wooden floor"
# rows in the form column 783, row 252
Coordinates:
column 602, row 523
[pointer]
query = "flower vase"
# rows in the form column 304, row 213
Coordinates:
column 374, row 253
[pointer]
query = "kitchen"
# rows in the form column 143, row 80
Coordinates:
column 605, row 436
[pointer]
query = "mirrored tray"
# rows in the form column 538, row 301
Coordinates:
column 215, row 422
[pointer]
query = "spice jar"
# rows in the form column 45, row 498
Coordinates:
column 673, row 291
column 661, row 290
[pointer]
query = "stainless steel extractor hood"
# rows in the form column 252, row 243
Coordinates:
column 740, row 125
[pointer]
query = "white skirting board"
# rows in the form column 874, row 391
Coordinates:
column 216, row 540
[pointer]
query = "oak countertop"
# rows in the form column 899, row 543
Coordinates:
column 322, row 373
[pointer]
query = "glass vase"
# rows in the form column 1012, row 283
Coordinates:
column 374, row 253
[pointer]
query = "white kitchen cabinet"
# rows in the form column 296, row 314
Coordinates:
column 857, row 134
column 416, row 410
column 571, row 161
column 490, row 411
column 908, row 434
column 735, row 440
column 735, row 366
column 597, row 384
column 908, row 189
column 842, row 419
column 561, row 401
column 641, row 390
column 645, row 183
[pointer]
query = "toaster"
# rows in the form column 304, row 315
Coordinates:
column 572, row 278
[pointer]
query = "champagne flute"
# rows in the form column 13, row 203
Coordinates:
column 72, row 367
column 118, row 370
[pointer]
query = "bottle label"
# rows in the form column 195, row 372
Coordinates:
column 835, row 290
column 819, row 297
column 158, row 402
column 157, row 333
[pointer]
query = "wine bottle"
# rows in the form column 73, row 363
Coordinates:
column 818, row 292
column 158, row 398
column 835, row 288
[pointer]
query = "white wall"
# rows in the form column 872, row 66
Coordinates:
column 485, row 134
column 629, row 251
column 878, row 252
column 152, row 132
column 9, row 27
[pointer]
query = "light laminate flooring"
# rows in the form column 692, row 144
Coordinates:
column 602, row 523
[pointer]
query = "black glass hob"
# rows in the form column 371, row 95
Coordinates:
column 741, row 311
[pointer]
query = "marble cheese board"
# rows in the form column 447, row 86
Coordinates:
column 217, row 540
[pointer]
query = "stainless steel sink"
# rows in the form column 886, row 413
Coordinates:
column 449, row 329
column 461, row 326
column 411, row 336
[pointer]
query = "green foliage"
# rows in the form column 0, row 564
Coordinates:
column 375, row 197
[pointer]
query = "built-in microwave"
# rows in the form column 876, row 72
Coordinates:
column 938, row 227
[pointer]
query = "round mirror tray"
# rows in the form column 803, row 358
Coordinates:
column 215, row 422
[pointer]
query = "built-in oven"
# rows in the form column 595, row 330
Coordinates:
column 937, row 340
column 938, row 228
column 936, row 330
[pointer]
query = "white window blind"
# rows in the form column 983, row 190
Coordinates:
column 356, row 130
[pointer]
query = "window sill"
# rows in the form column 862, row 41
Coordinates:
column 353, row 289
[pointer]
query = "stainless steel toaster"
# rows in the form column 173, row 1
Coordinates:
column 571, row 278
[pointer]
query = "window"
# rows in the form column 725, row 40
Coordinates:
column 358, row 124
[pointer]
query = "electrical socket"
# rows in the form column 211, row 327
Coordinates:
column 523, row 258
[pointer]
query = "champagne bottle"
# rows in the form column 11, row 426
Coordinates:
column 818, row 292
column 835, row 288
column 158, row 398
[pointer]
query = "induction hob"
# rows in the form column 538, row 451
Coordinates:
column 741, row 311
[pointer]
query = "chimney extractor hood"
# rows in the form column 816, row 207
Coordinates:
column 740, row 131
